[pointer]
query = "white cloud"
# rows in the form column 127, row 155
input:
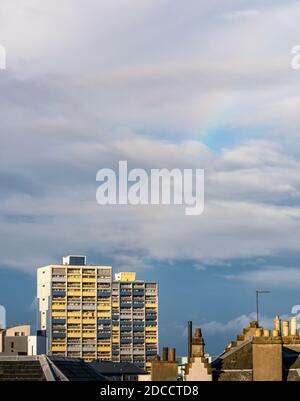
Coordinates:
column 278, row 276
column 237, row 324
column 143, row 81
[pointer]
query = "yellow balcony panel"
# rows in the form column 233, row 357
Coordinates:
column 74, row 335
column 104, row 349
column 151, row 305
column 88, row 280
column 115, row 341
column 104, row 314
column 89, row 335
column 59, row 349
column 151, row 340
column 71, row 293
column 88, row 293
column 74, row 321
column 58, row 314
column 116, row 328
column 151, row 328
column 77, row 313
column 74, row 280
column 88, row 321
column 104, row 307
column 58, row 307
column 115, row 304
column 58, row 343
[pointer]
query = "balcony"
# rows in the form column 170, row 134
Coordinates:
column 151, row 341
column 103, row 294
column 104, row 314
column 125, row 293
column 103, row 309
column 58, row 314
column 138, row 293
column 151, row 328
column 74, row 279
column 72, row 293
column 138, row 329
column 88, row 293
column 74, row 321
column 58, row 307
column 74, row 307
column 88, row 280
column 74, row 335
column 89, row 307
column 151, row 317
column 104, row 336
column 89, row 321
column 58, row 335
column 58, row 293
column 89, row 348
column 138, row 341
column 151, row 305
column 104, row 322
column 138, row 305
column 58, row 279
column 126, row 305
column 91, row 334
column 59, row 348
column 74, row 348
column 58, row 321
column 104, row 280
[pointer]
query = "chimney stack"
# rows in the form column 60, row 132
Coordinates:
column 172, row 355
column 165, row 352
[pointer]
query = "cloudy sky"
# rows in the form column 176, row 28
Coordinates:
column 159, row 83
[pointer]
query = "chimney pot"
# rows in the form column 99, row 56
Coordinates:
column 285, row 328
column 293, row 325
column 172, row 355
column 165, row 352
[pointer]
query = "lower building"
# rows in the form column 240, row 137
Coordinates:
column 16, row 340
column 119, row 371
column 44, row 368
column 256, row 355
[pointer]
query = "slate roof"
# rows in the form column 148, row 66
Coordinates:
column 117, row 368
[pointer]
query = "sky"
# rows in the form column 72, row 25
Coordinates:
column 161, row 84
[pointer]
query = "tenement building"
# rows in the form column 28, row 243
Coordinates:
column 257, row 354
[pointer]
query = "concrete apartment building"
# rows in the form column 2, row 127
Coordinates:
column 88, row 315
column 134, row 320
